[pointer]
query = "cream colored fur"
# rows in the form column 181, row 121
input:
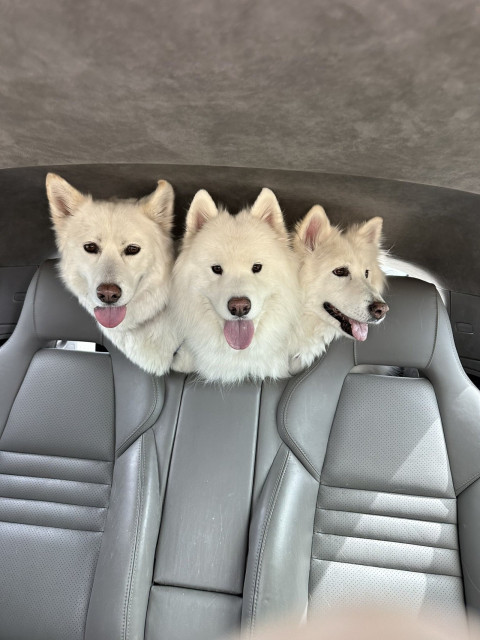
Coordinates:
column 145, row 335
column 200, row 297
column 322, row 249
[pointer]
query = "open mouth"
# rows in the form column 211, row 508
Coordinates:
column 110, row 317
column 353, row 328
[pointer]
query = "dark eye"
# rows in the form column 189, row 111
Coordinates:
column 91, row 247
column 257, row 267
column 341, row 272
column 217, row 269
column 132, row 249
column 366, row 273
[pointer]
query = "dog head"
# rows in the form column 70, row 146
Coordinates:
column 340, row 273
column 115, row 257
column 235, row 268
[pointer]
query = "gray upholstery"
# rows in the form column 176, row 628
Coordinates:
column 79, row 485
column 386, row 471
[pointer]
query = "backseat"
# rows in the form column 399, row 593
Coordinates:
column 232, row 506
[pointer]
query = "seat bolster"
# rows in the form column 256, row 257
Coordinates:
column 468, row 505
column 459, row 403
column 16, row 355
column 307, row 408
column 134, row 418
column 124, row 571
column 280, row 542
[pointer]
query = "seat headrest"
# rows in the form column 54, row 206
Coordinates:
column 55, row 312
column 407, row 336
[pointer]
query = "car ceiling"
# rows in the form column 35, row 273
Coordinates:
column 379, row 89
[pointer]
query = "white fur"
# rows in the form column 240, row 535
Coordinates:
column 145, row 335
column 322, row 249
column 200, row 297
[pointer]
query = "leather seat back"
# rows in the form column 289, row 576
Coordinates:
column 78, row 479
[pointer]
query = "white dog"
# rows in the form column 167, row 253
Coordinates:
column 235, row 291
column 342, row 284
column 116, row 257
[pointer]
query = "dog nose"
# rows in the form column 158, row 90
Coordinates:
column 378, row 310
column 239, row 306
column 109, row 293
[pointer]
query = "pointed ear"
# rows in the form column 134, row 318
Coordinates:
column 202, row 209
column 63, row 198
column 159, row 205
column 371, row 231
column 314, row 228
column 266, row 208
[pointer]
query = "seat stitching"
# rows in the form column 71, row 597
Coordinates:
column 388, row 493
column 413, row 544
column 67, row 504
column 51, row 526
column 386, row 515
column 373, row 566
column 20, row 475
column 263, row 539
column 132, row 553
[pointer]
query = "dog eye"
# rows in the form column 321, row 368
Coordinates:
column 91, row 247
column 257, row 267
column 366, row 273
column 216, row 268
column 132, row 249
column 341, row 272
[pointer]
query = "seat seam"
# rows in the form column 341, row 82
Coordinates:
column 65, row 504
column 19, row 475
column 385, row 515
column 48, row 455
column 263, row 539
column 412, row 544
column 388, row 493
column 374, row 566
column 51, row 526
column 126, row 601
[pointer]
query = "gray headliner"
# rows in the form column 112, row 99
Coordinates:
column 355, row 86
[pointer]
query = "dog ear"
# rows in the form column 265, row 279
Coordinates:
column 159, row 205
column 371, row 231
column 266, row 208
column 202, row 209
column 314, row 227
column 64, row 199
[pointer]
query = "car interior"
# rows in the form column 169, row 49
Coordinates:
column 134, row 506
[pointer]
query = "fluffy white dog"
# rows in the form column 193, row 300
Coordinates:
column 235, row 291
column 116, row 257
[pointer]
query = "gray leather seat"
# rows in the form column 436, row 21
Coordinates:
column 374, row 496
column 79, row 505
column 230, row 507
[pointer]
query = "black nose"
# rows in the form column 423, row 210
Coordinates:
column 239, row 306
column 378, row 310
column 109, row 293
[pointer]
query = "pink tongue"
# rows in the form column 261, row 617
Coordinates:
column 359, row 330
column 238, row 333
column 110, row 317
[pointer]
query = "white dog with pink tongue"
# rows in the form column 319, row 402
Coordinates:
column 235, row 292
column 116, row 257
column 342, row 284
